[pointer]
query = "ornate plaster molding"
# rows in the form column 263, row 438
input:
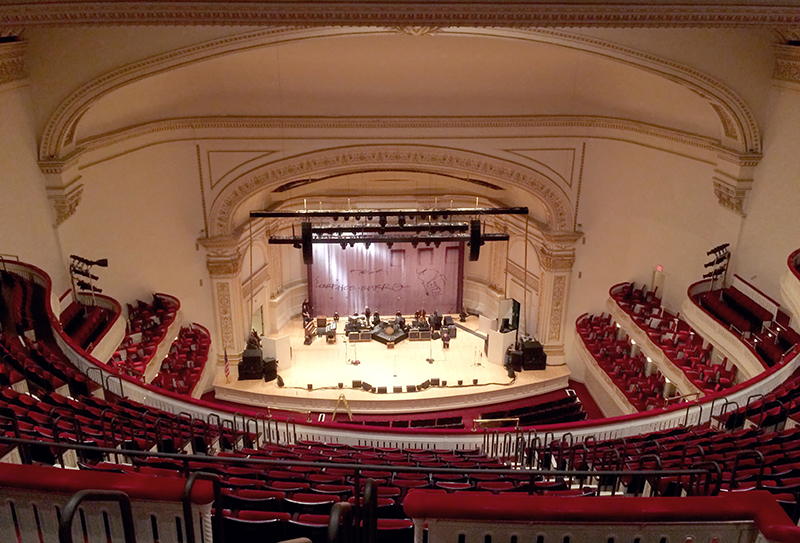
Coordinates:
column 12, row 61
column 557, row 308
column 555, row 263
column 65, row 201
column 713, row 13
column 732, row 193
column 223, row 257
column 787, row 63
column 354, row 159
column 737, row 120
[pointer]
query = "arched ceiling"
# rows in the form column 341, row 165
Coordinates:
column 394, row 74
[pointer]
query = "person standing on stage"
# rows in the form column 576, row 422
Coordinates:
column 367, row 313
column 306, row 312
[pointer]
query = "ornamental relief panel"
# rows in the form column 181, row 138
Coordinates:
column 225, row 314
column 557, row 308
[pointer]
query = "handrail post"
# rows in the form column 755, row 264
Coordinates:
column 188, row 517
column 341, row 515
column 65, row 525
column 370, row 512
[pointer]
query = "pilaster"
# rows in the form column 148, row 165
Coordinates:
column 556, row 258
column 224, row 261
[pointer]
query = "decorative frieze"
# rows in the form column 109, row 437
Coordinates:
column 12, row 61
column 787, row 63
column 65, row 201
column 732, row 193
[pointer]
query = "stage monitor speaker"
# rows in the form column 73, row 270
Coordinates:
column 305, row 233
column 397, row 389
column 381, row 390
column 310, row 387
column 533, row 356
column 444, row 383
column 366, row 387
column 425, row 385
column 341, row 385
column 460, row 382
column 280, row 381
column 435, row 382
column 474, row 381
column 411, row 388
column 356, row 383
column 474, row 239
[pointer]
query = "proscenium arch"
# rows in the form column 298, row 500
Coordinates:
column 58, row 139
column 423, row 159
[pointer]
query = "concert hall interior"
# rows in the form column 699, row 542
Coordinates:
column 367, row 217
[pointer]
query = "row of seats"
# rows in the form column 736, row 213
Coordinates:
column 85, row 324
column 146, row 328
column 566, row 409
column 644, row 389
column 183, row 366
column 19, row 296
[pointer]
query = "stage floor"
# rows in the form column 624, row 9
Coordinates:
column 325, row 365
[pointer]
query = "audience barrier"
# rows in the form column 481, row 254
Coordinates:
column 470, row 518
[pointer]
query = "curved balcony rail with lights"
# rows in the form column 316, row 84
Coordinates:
column 291, row 429
column 682, row 354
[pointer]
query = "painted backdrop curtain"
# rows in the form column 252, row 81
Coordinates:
column 402, row 278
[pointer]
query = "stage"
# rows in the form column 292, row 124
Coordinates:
column 324, row 365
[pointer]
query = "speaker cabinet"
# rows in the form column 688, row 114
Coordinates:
column 474, row 239
column 533, row 356
column 305, row 233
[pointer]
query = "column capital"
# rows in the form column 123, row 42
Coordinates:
column 12, row 61
column 224, row 258
column 555, row 262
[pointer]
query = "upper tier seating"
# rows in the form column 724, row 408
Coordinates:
column 146, row 328
column 181, row 369
column 682, row 345
column 643, row 390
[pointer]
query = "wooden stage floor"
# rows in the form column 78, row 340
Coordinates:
column 325, row 365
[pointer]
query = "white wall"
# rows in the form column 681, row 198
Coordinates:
column 772, row 229
column 26, row 217
column 143, row 211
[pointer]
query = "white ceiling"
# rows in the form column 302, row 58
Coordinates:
column 402, row 75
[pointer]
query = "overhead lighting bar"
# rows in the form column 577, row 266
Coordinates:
column 369, row 214
column 437, row 227
column 437, row 238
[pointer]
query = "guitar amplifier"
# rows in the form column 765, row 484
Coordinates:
column 533, row 356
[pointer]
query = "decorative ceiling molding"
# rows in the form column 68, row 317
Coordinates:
column 12, row 61
column 787, row 63
column 355, row 159
column 712, row 13
column 397, row 127
column 736, row 118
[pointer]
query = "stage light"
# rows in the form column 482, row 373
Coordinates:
column 367, row 244
column 401, row 220
column 414, row 244
column 389, row 245
column 344, row 246
column 103, row 262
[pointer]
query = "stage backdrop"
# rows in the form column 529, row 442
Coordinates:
column 387, row 280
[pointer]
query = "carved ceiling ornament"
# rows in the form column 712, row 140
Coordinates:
column 355, row 159
column 732, row 193
column 57, row 137
column 12, row 61
column 473, row 13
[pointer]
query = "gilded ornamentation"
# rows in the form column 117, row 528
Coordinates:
column 732, row 196
column 557, row 307
column 787, row 63
column 65, row 202
column 467, row 14
column 433, row 159
column 225, row 318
